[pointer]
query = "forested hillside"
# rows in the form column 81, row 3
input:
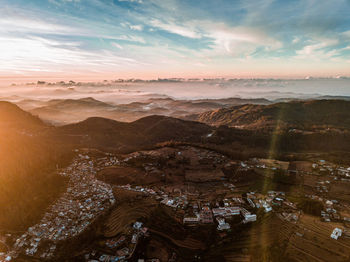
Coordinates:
column 28, row 182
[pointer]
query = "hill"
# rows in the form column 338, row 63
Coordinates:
column 77, row 103
column 61, row 111
column 304, row 115
column 102, row 132
column 28, row 182
column 11, row 116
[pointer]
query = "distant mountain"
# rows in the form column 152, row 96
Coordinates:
column 346, row 98
column 66, row 111
column 61, row 111
column 295, row 114
column 72, row 104
column 325, row 97
column 11, row 116
column 204, row 104
column 236, row 101
column 27, row 104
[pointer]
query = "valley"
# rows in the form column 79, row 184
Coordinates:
column 168, row 189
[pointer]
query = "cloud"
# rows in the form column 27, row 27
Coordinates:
column 346, row 34
column 25, row 24
column 117, row 45
column 221, row 38
column 296, row 40
column 317, row 49
column 132, row 27
column 136, row 27
column 59, row 2
column 132, row 1
column 240, row 40
column 175, row 29
column 131, row 38
column 38, row 54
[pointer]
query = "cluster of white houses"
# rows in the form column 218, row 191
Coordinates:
column 84, row 200
column 205, row 216
column 201, row 215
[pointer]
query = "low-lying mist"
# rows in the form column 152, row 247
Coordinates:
column 128, row 100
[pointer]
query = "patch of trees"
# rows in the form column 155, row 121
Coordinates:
column 281, row 176
column 310, row 206
column 28, row 181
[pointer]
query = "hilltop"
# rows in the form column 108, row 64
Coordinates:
column 11, row 116
column 74, row 103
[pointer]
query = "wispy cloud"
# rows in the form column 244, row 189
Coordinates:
column 175, row 29
column 25, row 25
column 117, row 45
column 132, row 1
column 318, row 49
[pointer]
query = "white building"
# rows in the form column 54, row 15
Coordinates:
column 226, row 211
column 191, row 220
column 137, row 225
column 134, row 239
column 248, row 217
column 251, row 203
column 337, row 232
column 222, row 224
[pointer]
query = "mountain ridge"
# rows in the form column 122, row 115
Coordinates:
column 307, row 114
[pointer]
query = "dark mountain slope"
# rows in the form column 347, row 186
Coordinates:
column 101, row 132
column 93, row 125
column 28, row 160
column 161, row 128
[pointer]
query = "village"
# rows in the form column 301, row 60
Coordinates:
column 247, row 204
column 235, row 206
column 193, row 210
column 87, row 198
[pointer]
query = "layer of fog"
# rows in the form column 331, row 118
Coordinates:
column 121, row 95
column 118, row 93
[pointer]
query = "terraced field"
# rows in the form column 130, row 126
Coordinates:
column 316, row 244
column 3, row 247
column 260, row 241
column 189, row 243
column 123, row 216
column 273, row 239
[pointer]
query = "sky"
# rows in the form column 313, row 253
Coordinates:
column 110, row 39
